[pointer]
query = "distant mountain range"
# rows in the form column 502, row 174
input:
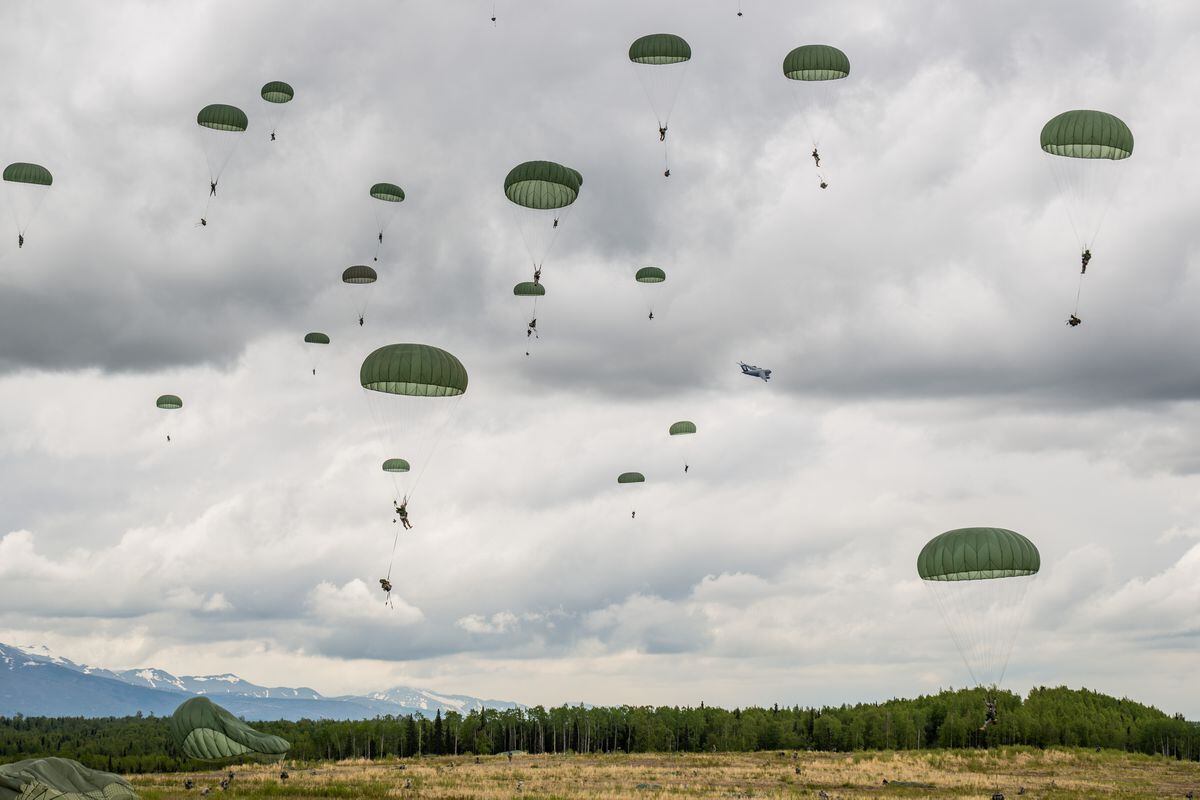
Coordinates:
column 35, row 682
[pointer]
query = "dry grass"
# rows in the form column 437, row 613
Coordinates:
column 1048, row 775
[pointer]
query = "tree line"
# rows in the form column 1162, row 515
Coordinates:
column 1048, row 717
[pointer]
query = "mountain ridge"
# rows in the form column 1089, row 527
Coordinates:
column 36, row 682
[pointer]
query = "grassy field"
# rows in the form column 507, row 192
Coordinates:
column 932, row 774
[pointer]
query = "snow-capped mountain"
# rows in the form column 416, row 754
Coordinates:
column 34, row 681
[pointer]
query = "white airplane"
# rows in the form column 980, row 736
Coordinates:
column 756, row 372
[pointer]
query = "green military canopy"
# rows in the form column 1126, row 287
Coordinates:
column 277, row 92
column 205, row 731
column 659, row 49
column 1087, row 134
column 414, row 370
column 396, row 465
column 542, row 185
column 650, row 275
column 359, row 273
column 973, row 554
column 682, row 427
column 221, row 117
column 816, row 62
column 20, row 172
column 631, row 477
column 529, row 289
column 316, row 337
column 55, row 778
column 387, row 192
column 169, row 401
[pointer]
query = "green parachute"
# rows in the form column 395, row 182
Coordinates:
column 541, row 193
column 979, row 578
column 682, row 432
column 410, row 390
column 529, row 289
column 320, row 340
column 660, row 61
column 360, row 275
column 26, row 186
column 818, row 70
column 631, row 477
column 168, row 401
column 205, row 731
column 221, row 128
column 1085, row 149
column 389, row 196
column 278, row 95
column 647, row 277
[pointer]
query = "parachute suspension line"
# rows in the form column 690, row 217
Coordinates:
column 1078, row 291
column 392, row 560
column 983, row 618
column 493, row 13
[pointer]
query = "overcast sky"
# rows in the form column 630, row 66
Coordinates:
column 913, row 315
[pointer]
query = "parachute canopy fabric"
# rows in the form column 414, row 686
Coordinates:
column 650, row 275
column 388, row 192
column 1087, row 134
column 359, row 274
column 529, row 289
column 542, row 185
column 396, row 465
column 316, row 337
column 53, row 778
column 205, row 731
column 631, row 477
column 277, row 92
column 169, row 401
column 682, row 427
column 816, row 62
column 20, row 172
column 660, row 48
column 415, row 370
column 974, row 554
column 221, row 117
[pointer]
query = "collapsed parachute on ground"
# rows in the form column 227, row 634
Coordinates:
column 203, row 730
column 660, row 61
column 979, row 578
column 60, row 779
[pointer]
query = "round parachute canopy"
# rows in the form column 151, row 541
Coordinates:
column 205, row 731
column 220, row 117
column 542, row 185
column 975, row 554
column 660, row 48
column 415, row 370
column 816, row 62
column 316, row 337
column 388, row 192
column 529, row 289
column 277, row 92
column 396, row 465
column 682, row 427
column 1087, row 134
column 359, row 274
column 21, row 172
column 631, row 477
column 650, row 275
column 169, row 401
